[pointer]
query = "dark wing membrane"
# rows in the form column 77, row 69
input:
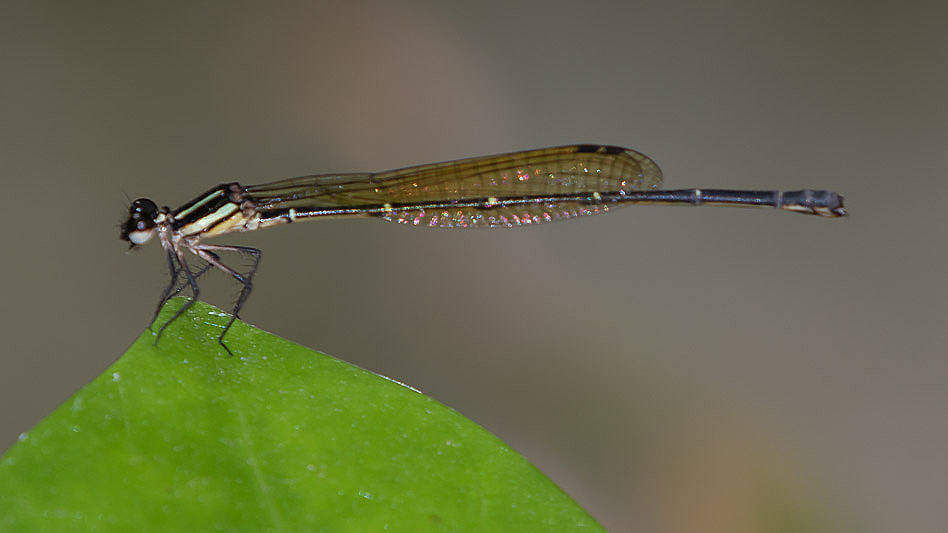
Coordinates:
column 509, row 215
column 502, row 190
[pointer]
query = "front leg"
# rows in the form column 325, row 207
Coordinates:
column 197, row 275
column 166, row 294
column 195, row 291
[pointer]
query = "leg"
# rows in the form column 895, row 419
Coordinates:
column 195, row 291
column 204, row 252
column 175, row 273
column 166, row 294
column 197, row 275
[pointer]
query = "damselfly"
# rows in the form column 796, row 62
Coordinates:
column 507, row 190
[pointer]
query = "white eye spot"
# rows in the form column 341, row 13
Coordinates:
column 140, row 236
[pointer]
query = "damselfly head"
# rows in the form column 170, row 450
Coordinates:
column 140, row 225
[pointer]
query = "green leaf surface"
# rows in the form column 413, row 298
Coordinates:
column 277, row 438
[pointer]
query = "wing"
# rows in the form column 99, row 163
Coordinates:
column 501, row 190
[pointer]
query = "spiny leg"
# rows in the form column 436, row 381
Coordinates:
column 197, row 275
column 166, row 294
column 195, row 291
column 204, row 252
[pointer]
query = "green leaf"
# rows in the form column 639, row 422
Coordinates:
column 277, row 438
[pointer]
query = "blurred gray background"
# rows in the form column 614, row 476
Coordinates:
column 673, row 369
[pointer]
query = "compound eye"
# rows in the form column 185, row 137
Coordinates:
column 140, row 225
column 143, row 208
